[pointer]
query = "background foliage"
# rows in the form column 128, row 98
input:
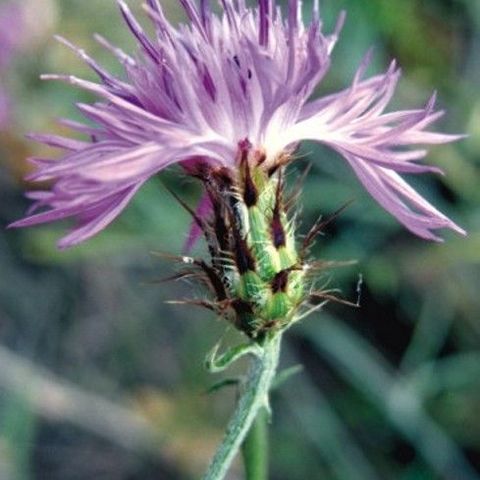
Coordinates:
column 100, row 378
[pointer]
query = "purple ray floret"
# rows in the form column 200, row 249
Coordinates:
column 195, row 91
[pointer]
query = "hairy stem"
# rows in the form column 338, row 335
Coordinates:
column 254, row 396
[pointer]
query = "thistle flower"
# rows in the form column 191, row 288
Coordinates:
column 10, row 21
column 194, row 92
column 228, row 97
column 20, row 28
column 10, row 16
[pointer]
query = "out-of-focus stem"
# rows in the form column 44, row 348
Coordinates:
column 255, row 448
column 56, row 399
column 253, row 398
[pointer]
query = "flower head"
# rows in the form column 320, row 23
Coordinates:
column 21, row 26
column 10, row 21
column 197, row 92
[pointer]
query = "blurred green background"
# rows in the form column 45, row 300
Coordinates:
column 101, row 379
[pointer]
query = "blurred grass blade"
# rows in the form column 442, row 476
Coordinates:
column 327, row 432
column 363, row 366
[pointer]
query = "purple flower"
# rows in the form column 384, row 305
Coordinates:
column 194, row 92
column 21, row 26
column 10, row 22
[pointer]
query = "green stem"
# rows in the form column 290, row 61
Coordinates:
column 254, row 396
column 255, row 448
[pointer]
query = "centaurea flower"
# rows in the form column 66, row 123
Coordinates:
column 21, row 26
column 10, row 21
column 228, row 98
column 195, row 91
